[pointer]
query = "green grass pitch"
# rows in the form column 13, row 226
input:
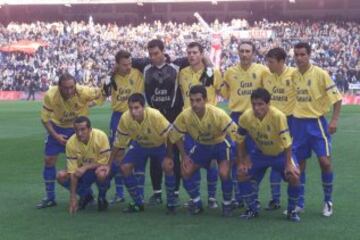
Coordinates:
column 21, row 187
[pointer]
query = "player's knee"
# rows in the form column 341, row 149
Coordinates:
column 125, row 170
column 325, row 164
column 224, row 173
column 50, row 161
column 168, row 166
column 101, row 176
column 62, row 176
column 242, row 177
column 293, row 180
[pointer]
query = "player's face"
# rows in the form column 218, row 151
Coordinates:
column 302, row 58
column 246, row 54
column 67, row 88
column 124, row 65
column 136, row 110
column 194, row 56
column 274, row 65
column 197, row 102
column 260, row 108
column 82, row 132
column 156, row 56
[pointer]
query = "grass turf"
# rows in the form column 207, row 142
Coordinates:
column 21, row 153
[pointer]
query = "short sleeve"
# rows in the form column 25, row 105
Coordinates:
column 47, row 109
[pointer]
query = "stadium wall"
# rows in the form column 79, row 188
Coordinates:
column 183, row 12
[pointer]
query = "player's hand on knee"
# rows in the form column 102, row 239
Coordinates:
column 168, row 164
column 80, row 172
column 103, row 170
column 186, row 163
column 62, row 139
column 73, row 207
column 292, row 172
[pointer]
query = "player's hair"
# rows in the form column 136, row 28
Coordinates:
column 198, row 89
column 196, row 44
column 261, row 93
column 304, row 45
column 248, row 43
column 156, row 43
column 137, row 97
column 277, row 53
column 82, row 119
column 64, row 77
column 122, row 54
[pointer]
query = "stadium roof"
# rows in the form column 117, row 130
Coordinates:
column 64, row 2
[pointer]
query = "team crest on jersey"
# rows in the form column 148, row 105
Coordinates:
column 309, row 83
column 254, row 75
column 131, row 82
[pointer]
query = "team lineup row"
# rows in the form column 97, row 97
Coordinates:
column 280, row 135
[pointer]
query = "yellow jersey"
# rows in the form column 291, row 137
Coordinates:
column 271, row 134
column 210, row 129
column 189, row 78
column 151, row 132
column 282, row 90
column 315, row 93
column 78, row 154
column 240, row 83
column 126, row 86
column 63, row 112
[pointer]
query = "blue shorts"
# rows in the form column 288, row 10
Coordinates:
column 137, row 155
column 202, row 154
column 261, row 162
column 114, row 122
column 310, row 134
column 290, row 120
column 53, row 147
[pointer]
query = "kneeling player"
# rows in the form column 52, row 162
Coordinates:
column 267, row 126
column 87, row 154
column 208, row 126
column 147, row 129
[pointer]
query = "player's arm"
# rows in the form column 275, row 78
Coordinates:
column 73, row 204
column 335, row 99
column 72, row 166
column 140, row 63
column 122, row 139
column 224, row 87
column 335, row 117
column 46, row 113
column 243, row 161
column 176, row 136
column 290, row 168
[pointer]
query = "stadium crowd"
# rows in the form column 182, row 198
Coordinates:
column 87, row 50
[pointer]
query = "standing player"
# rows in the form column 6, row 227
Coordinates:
column 62, row 104
column 125, row 81
column 147, row 128
column 198, row 74
column 281, row 87
column 87, row 153
column 315, row 93
column 268, row 128
column 208, row 126
column 162, row 92
column 239, row 82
